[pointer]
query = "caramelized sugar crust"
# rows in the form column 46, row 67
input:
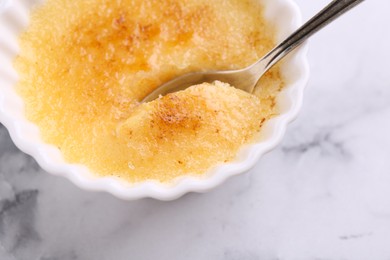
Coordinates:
column 84, row 66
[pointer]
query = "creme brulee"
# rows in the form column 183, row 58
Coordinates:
column 85, row 65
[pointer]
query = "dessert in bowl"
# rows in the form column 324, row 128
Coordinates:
column 74, row 104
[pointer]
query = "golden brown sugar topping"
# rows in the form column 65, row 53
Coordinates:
column 84, row 66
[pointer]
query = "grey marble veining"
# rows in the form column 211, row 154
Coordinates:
column 324, row 193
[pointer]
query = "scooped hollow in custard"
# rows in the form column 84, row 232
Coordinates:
column 85, row 65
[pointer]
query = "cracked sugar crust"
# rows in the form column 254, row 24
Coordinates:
column 84, row 66
column 189, row 131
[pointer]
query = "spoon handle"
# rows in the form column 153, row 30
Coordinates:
column 323, row 18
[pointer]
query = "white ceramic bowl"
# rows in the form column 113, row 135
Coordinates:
column 284, row 14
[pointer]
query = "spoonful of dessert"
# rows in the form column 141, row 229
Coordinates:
column 247, row 78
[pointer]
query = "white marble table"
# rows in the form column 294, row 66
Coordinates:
column 324, row 193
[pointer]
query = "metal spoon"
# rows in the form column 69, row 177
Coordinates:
column 247, row 78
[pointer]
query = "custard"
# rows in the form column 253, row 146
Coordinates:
column 85, row 65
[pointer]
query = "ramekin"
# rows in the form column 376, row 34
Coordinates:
column 283, row 14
